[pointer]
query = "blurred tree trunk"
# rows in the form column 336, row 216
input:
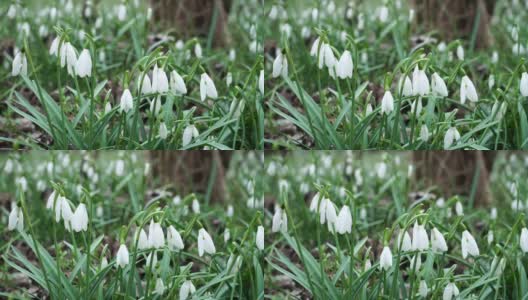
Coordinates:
column 456, row 18
column 194, row 17
column 453, row 172
column 190, row 171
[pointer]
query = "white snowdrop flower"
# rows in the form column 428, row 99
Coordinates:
column 279, row 221
column 469, row 245
column 415, row 263
column 229, row 79
column 198, row 50
column 423, row 290
column 108, row 108
column 174, row 239
column 160, row 287
column 420, row 82
column 385, row 259
column 523, row 241
column 186, row 290
column 122, row 258
column 259, row 240
column 207, row 87
column 68, row 57
column 438, row 85
column 327, row 57
column 327, row 213
column 420, row 240
column 155, row 105
column 205, row 243
column 517, row 205
column 142, row 239
column 230, row 211
column 460, row 52
column 12, row 11
column 121, row 12
column 65, row 213
column 344, row 221
column 119, row 167
column 424, row 133
column 387, row 103
column 490, row 237
column 493, row 213
column 406, row 244
column 79, row 220
column 16, row 219
column 9, row 166
column 524, row 84
column 232, row 55
column 416, row 107
column 126, row 101
column 274, row 12
column 163, row 131
column 54, row 48
column 459, row 209
column 195, row 206
column 177, row 85
column 280, row 66
column 467, row 90
column 189, row 133
column 345, row 66
column 442, row 46
column 156, row 238
column 83, row 67
column 515, row 34
column 261, row 82
column 491, row 81
column 495, row 57
column 438, row 242
column 160, row 82
column 368, row 110
column 317, row 44
column 227, row 235
column 144, row 85
column 104, row 262
column 19, row 65
column 363, row 214
column 405, row 86
column 314, row 204
column 368, row 265
column 452, row 135
column 450, row 291
column 518, row 49
column 383, row 14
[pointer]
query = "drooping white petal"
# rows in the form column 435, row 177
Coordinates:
column 259, row 240
column 386, row 259
column 122, row 258
column 205, row 243
column 83, row 67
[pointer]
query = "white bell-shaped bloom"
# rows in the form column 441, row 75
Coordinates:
column 327, row 213
column 207, row 87
column 452, row 135
column 189, row 133
column 145, row 85
column 344, row 220
column 387, row 103
column 386, row 259
column 459, row 209
column 405, row 86
column 186, row 290
column 523, row 241
column 423, row 290
column 345, row 66
column 280, row 66
column 122, row 258
column 420, row 240
column 156, row 238
column 54, row 48
column 227, row 235
column 66, row 213
column 420, row 82
column 328, row 57
column 160, row 82
column 198, row 50
column 142, row 240
column 83, row 67
column 160, row 287
column 424, row 133
column 229, row 79
column 259, row 239
column 195, row 206
column 108, row 108
column 314, row 204
column 491, row 81
column 177, row 84
column 467, row 90
column 126, row 101
column 450, row 291
column 79, row 220
column 469, row 245
column 524, row 84
column 406, row 244
column 174, row 239
column 68, row 57
column 438, row 85
column 163, row 131
column 205, row 243
column 261, row 82
column 460, row 52
column 121, row 12
column 12, row 11
column 19, row 65
column 438, row 242
column 16, row 219
column 317, row 44
column 279, row 221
